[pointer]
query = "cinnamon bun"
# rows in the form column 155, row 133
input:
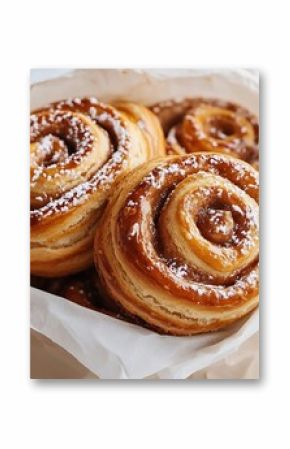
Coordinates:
column 178, row 244
column 199, row 124
column 78, row 149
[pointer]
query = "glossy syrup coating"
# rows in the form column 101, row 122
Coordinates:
column 178, row 245
column 79, row 148
column 200, row 124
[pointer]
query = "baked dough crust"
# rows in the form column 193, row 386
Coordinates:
column 178, row 244
column 200, row 124
column 78, row 150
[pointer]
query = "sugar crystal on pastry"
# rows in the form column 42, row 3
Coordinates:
column 79, row 148
column 179, row 243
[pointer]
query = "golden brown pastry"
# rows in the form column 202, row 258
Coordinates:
column 178, row 244
column 78, row 149
column 199, row 124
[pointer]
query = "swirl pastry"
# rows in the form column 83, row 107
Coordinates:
column 78, row 149
column 178, row 244
column 198, row 124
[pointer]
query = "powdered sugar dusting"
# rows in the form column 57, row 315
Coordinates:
column 62, row 140
column 232, row 213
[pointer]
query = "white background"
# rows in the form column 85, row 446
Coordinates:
column 74, row 414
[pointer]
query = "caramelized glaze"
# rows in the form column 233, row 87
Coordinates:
column 79, row 148
column 199, row 124
column 181, row 235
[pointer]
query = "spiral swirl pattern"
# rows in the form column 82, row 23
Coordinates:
column 198, row 124
column 78, row 149
column 178, row 245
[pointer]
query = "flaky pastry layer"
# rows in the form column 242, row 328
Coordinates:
column 78, row 150
column 178, row 244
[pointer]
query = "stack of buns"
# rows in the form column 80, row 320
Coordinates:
column 149, row 214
